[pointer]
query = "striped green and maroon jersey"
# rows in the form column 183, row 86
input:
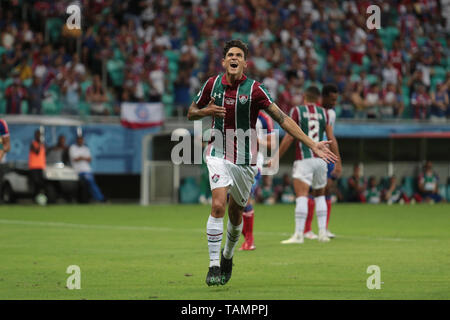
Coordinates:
column 242, row 101
column 312, row 119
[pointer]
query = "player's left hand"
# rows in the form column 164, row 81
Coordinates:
column 322, row 150
column 337, row 171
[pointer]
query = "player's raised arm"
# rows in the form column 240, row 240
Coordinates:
column 289, row 125
column 196, row 113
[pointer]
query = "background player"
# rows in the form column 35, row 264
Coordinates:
column 309, row 170
column 5, row 145
column 329, row 99
column 264, row 130
column 234, row 101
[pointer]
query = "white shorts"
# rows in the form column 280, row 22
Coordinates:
column 312, row 171
column 240, row 178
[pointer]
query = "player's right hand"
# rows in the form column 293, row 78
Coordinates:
column 337, row 171
column 322, row 151
column 215, row 110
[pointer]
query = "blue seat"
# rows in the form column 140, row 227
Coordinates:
column 27, row 82
column 84, row 86
column 24, row 107
column 7, row 83
column 2, row 106
column 371, row 78
column 115, row 69
column 84, row 108
column 53, row 27
column 439, row 71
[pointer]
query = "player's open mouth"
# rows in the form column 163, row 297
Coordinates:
column 233, row 65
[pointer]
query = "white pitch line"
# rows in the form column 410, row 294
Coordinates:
column 164, row 229
column 82, row 226
column 376, row 238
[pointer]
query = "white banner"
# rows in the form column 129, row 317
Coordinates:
column 137, row 115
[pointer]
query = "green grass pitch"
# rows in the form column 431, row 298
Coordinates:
column 160, row 252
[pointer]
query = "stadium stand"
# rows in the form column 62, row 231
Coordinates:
column 139, row 48
column 314, row 40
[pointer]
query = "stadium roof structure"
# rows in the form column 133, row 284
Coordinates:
column 392, row 130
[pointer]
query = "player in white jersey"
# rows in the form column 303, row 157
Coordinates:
column 329, row 99
column 309, row 170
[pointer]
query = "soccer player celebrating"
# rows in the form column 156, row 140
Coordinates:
column 264, row 130
column 309, row 170
column 234, row 101
column 329, row 99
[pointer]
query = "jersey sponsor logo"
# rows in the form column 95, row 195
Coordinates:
column 230, row 101
column 243, row 98
column 217, row 95
column 215, row 177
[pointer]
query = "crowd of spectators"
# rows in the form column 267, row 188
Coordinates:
column 160, row 50
column 425, row 187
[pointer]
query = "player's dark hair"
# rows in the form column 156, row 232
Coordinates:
column 329, row 88
column 235, row 43
column 312, row 93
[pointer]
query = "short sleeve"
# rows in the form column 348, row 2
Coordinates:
column 294, row 115
column 204, row 95
column 261, row 97
column 331, row 117
column 267, row 122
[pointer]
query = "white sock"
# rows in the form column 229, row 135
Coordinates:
column 214, row 231
column 233, row 234
column 321, row 211
column 301, row 212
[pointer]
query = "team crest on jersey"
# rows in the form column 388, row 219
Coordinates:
column 215, row 177
column 243, row 98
